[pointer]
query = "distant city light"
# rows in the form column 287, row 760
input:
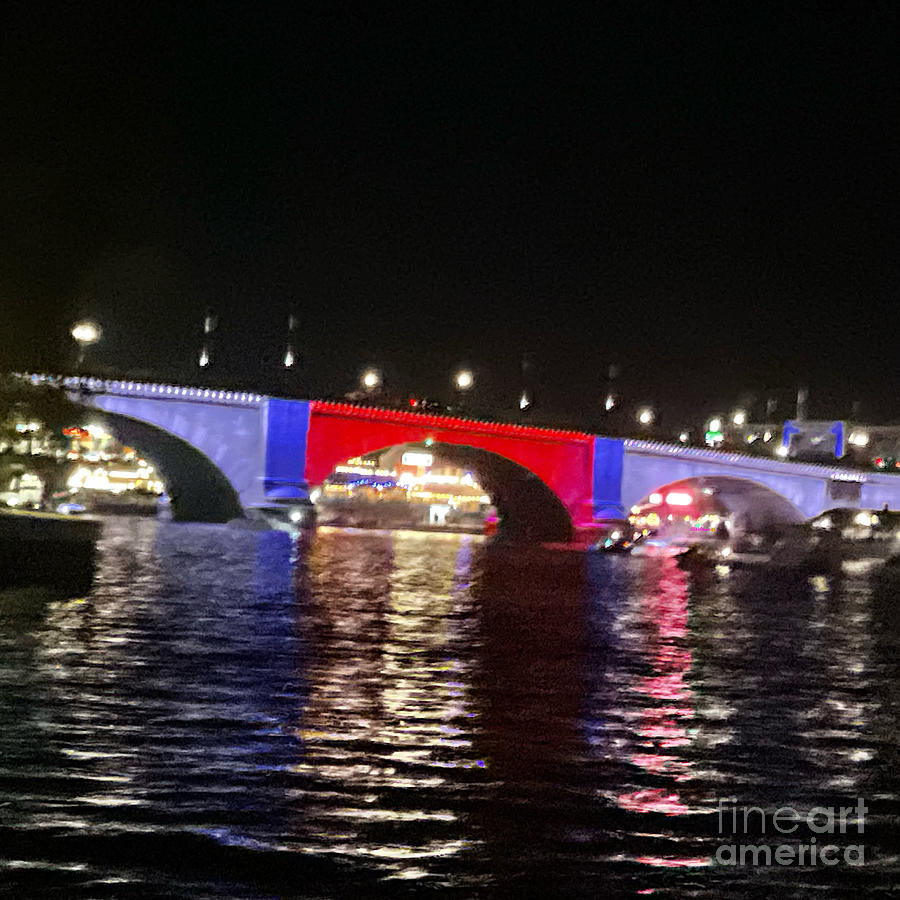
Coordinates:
column 782, row 450
column 714, row 434
column 371, row 379
column 464, row 379
column 739, row 418
column 859, row 438
column 204, row 358
column 767, row 436
column 289, row 358
column 655, row 497
column 646, row 416
column 684, row 437
column 679, row 498
column 414, row 458
column 610, row 402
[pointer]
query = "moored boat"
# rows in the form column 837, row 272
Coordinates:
column 848, row 540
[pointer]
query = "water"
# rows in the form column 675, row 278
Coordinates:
column 420, row 713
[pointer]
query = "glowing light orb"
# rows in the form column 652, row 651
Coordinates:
column 86, row 332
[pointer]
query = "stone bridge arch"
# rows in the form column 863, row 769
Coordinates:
column 211, row 455
column 528, row 507
column 644, row 471
column 199, row 490
column 753, row 505
column 533, row 472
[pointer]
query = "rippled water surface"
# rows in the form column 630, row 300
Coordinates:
column 408, row 713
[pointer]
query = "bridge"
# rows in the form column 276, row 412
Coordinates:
column 223, row 453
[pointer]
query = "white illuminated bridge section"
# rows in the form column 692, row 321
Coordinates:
column 706, row 502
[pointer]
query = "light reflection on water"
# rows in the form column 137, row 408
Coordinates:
column 407, row 710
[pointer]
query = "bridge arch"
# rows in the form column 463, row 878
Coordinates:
column 528, row 508
column 646, row 468
column 535, row 474
column 755, row 506
column 199, row 490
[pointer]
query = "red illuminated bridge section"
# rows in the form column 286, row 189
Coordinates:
column 560, row 460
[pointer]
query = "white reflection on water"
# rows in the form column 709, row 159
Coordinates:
column 390, row 709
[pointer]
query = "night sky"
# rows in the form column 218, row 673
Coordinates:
column 704, row 195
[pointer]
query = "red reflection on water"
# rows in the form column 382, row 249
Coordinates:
column 663, row 727
column 655, row 800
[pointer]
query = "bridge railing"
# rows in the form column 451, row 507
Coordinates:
column 762, row 463
column 162, row 391
column 155, row 391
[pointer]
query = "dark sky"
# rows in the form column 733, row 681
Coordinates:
column 706, row 195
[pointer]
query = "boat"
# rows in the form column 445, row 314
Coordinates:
column 290, row 517
column 849, row 540
column 47, row 549
column 616, row 536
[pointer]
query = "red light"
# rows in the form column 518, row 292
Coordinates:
column 412, row 401
column 326, row 407
column 879, row 462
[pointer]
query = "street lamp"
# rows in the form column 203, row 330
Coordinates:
column 371, row 379
column 646, row 416
column 464, row 379
column 85, row 333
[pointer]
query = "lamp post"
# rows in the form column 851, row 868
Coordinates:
column 210, row 323
column 290, row 356
column 464, row 380
column 371, row 381
column 646, row 416
column 85, row 333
